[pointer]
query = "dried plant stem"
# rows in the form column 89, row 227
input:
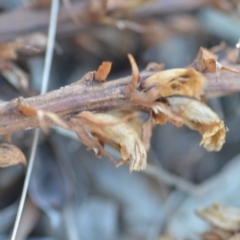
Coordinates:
column 83, row 95
column 45, row 80
column 227, row 82
column 66, row 102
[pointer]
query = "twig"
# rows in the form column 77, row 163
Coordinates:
column 227, row 82
column 66, row 102
column 83, row 95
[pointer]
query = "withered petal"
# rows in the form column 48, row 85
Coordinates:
column 179, row 81
column 122, row 136
column 198, row 116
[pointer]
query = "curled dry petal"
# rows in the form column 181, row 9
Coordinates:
column 187, row 82
column 200, row 117
column 135, row 71
column 121, row 135
column 225, row 218
column 10, row 155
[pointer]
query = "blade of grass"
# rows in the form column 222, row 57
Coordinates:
column 45, row 79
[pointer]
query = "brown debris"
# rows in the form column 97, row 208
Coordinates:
column 7, row 53
column 10, row 155
column 224, row 218
column 103, row 71
column 207, row 61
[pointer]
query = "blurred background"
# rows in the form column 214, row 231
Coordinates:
column 74, row 195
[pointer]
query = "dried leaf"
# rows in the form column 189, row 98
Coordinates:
column 103, row 71
column 10, row 155
column 207, row 61
column 15, row 76
column 187, row 82
column 121, row 136
column 8, row 50
column 135, row 71
column 200, row 117
column 225, row 218
column 32, row 43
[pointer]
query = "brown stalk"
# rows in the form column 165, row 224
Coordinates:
column 225, row 83
column 87, row 95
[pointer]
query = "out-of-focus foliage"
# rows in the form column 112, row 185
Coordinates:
column 83, row 197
